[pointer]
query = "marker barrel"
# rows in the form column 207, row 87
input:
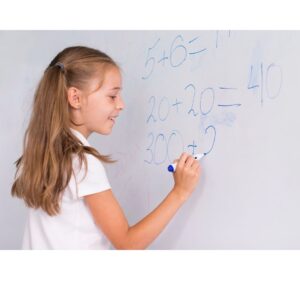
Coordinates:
column 172, row 167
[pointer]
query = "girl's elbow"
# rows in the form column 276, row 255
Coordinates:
column 128, row 245
column 128, row 241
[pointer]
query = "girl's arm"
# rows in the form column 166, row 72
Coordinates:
column 109, row 216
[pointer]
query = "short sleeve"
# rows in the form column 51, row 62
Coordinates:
column 94, row 181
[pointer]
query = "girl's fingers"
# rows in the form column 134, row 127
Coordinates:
column 189, row 162
column 182, row 160
column 196, row 166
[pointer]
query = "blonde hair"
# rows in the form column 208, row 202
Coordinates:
column 45, row 168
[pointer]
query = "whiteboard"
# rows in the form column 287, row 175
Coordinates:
column 231, row 94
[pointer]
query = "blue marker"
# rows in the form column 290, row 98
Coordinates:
column 172, row 167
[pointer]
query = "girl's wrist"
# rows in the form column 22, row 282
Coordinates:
column 179, row 194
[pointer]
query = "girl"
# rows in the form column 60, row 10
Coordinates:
column 60, row 175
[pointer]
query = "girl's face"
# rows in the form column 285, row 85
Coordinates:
column 100, row 109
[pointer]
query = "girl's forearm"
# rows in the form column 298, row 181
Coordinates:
column 140, row 235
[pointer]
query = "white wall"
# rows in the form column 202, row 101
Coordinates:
column 248, row 197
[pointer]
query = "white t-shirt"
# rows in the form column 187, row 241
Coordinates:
column 73, row 227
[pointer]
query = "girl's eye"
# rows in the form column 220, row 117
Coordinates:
column 113, row 97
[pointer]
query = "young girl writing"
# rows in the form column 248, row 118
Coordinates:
column 60, row 176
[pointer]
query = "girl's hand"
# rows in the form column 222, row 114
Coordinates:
column 186, row 176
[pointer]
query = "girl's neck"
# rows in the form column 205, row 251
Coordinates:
column 82, row 130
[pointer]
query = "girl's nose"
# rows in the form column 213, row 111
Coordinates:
column 120, row 104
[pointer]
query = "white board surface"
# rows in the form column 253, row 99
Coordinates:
column 231, row 94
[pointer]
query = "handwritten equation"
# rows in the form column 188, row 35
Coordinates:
column 264, row 82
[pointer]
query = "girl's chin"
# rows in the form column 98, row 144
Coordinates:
column 105, row 131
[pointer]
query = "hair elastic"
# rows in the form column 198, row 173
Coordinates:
column 61, row 65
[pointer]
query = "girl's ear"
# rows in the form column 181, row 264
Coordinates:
column 74, row 98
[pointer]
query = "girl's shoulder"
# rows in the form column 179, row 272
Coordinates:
column 90, row 178
column 93, row 164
